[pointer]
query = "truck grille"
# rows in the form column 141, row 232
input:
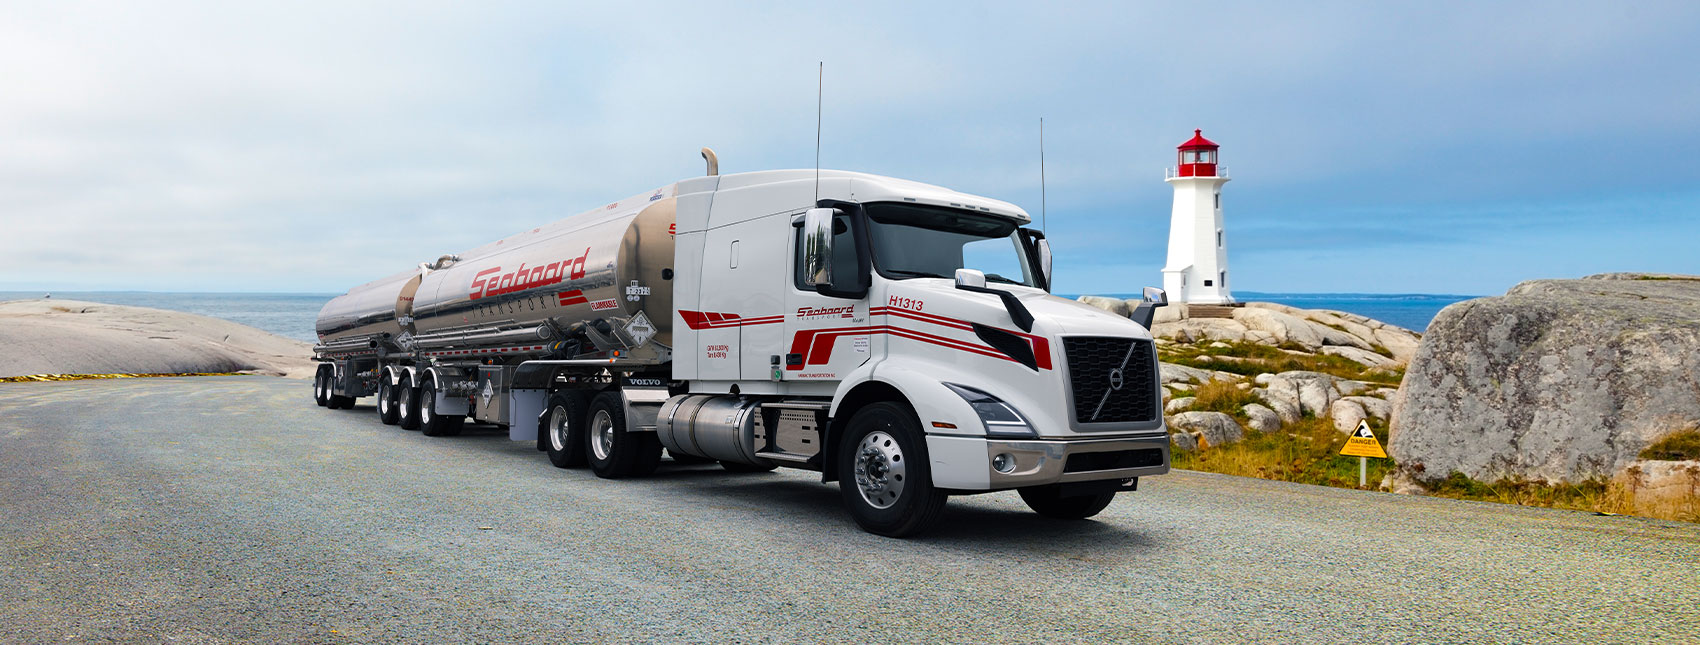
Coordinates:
column 1094, row 365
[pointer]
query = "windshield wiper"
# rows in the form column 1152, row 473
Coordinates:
column 914, row 274
column 998, row 278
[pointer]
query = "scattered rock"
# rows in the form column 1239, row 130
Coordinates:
column 1376, row 408
column 1220, row 345
column 1346, row 415
column 1183, row 441
column 1283, row 327
column 1558, row 380
column 1213, row 428
column 1179, row 404
column 1261, row 418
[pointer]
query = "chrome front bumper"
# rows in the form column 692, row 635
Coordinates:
column 965, row 463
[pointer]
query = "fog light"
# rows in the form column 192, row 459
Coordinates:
column 1003, row 463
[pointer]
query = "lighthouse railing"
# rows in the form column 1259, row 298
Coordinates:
column 1172, row 172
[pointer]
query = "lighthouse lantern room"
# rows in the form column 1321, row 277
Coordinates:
column 1197, row 268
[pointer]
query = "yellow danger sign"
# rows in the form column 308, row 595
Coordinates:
column 1363, row 443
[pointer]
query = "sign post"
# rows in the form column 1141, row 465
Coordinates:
column 1363, row 445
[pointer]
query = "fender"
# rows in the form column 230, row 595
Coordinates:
column 958, row 454
column 446, row 404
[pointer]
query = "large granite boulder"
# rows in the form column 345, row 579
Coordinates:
column 1557, row 380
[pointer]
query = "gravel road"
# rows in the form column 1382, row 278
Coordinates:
column 231, row 509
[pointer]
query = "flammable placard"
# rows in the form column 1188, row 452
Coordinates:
column 1363, row 443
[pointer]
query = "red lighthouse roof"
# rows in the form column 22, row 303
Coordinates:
column 1198, row 142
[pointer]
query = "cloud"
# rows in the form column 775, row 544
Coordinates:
column 312, row 146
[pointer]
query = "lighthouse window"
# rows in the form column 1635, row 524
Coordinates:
column 1218, row 207
column 1189, row 157
column 1218, row 239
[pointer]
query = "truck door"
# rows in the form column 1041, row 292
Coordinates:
column 827, row 329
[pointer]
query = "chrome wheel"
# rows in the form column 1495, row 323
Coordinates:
column 558, row 428
column 602, row 435
column 384, row 396
column 427, row 404
column 880, row 469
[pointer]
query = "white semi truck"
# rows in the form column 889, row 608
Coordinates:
column 896, row 337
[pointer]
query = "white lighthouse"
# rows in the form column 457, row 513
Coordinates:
column 1197, row 270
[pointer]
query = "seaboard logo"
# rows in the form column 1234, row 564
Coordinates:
column 825, row 312
column 486, row 284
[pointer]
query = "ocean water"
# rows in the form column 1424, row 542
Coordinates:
column 1413, row 311
column 290, row 315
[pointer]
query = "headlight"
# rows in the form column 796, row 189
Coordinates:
column 1001, row 419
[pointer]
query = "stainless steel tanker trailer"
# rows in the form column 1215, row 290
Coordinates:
column 896, row 337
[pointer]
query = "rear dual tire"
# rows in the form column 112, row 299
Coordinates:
column 322, row 389
column 388, row 410
column 407, row 404
column 563, row 430
column 432, row 424
column 612, row 451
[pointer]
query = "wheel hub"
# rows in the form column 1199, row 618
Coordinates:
column 880, row 469
column 558, row 428
column 602, row 430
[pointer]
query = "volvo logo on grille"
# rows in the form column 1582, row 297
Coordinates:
column 1116, row 379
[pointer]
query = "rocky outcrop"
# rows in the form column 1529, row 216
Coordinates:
column 1207, row 428
column 1558, row 380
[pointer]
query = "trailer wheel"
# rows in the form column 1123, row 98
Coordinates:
column 564, row 431
column 322, row 389
column 407, row 404
column 431, row 423
column 884, row 476
column 388, row 411
column 1046, row 501
column 611, row 450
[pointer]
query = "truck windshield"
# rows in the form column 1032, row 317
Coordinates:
column 915, row 241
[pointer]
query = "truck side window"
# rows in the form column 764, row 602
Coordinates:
column 844, row 264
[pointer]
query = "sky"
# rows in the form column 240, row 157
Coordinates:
column 305, row 146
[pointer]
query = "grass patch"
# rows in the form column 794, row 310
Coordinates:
column 1592, row 495
column 1250, row 359
column 1218, row 395
column 1677, row 446
column 1306, row 452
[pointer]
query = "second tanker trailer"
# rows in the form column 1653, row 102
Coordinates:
column 897, row 337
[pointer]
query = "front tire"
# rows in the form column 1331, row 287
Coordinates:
column 431, row 423
column 407, row 404
column 613, row 452
column 884, row 475
column 388, row 410
column 1047, row 501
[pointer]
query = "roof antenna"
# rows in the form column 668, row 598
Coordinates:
column 1042, row 221
column 820, row 85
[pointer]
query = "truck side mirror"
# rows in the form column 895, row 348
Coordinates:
column 1044, row 247
column 1148, row 304
column 970, row 278
column 1157, row 297
column 817, row 247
